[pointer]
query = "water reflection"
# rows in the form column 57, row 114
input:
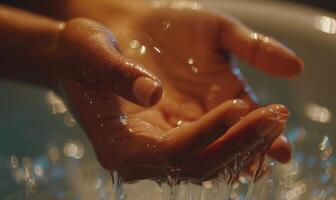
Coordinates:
column 38, row 169
column 318, row 113
column 57, row 105
column 53, row 154
column 325, row 24
column 69, row 121
column 296, row 191
column 325, row 143
column 74, row 149
column 14, row 162
column 86, row 180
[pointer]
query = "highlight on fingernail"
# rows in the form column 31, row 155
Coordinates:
column 146, row 91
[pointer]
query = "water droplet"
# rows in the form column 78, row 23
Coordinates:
column 194, row 69
column 191, row 61
column 123, row 119
column 131, row 130
column 69, row 121
column 14, row 162
column 134, row 44
column 157, row 49
column 166, row 25
column 38, row 169
column 74, row 149
column 53, row 154
column 207, row 184
column 142, row 50
column 258, row 36
column 98, row 184
column 57, row 105
column 324, row 143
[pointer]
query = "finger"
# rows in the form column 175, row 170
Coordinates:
column 280, row 150
column 262, row 52
column 185, row 141
column 250, row 168
column 250, row 134
column 90, row 45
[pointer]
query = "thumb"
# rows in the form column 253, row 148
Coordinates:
column 94, row 56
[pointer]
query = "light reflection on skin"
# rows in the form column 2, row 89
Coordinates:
column 142, row 50
column 325, row 24
column 258, row 36
column 134, row 44
column 177, row 4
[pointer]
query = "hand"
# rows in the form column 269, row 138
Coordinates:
column 195, row 126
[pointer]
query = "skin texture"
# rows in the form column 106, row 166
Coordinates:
column 203, row 116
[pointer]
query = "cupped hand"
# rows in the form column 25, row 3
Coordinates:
column 202, row 116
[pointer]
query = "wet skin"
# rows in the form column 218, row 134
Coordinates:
column 196, row 114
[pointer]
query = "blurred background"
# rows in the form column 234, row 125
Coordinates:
column 325, row 4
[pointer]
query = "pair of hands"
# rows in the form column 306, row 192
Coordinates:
column 193, row 109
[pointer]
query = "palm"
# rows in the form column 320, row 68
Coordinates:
column 182, row 49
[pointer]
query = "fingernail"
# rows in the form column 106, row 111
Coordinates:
column 146, row 91
column 282, row 110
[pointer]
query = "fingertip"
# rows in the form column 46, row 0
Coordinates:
column 146, row 91
column 296, row 68
column 155, row 95
column 281, row 150
column 284, row 64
